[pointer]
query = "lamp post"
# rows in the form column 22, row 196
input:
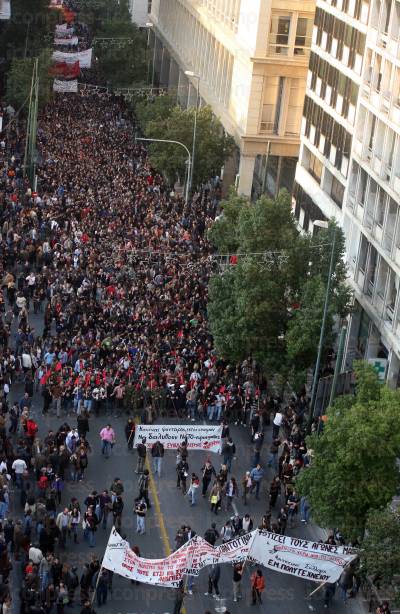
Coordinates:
column 149, row 26
column 322, row 224
column 193, row 75
column 189, row 160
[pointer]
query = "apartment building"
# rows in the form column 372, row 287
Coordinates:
column 140, row 10
column 251, row 57
column 349, row 163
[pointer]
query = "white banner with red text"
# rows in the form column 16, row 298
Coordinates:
column 65, row 86
column 199, row 436
column 297, row 557
column 83, row 57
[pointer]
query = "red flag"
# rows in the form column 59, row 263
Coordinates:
column 58, row 366
column 45, row 377
column 63, row 69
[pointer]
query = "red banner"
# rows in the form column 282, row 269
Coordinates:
column 68, row 71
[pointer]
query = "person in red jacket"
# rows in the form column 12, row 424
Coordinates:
column 31, row 429
column 257, row 586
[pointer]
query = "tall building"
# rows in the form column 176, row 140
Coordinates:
column 140, row 10
column 251, row 57
column 349, row 163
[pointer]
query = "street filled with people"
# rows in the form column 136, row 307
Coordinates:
column 104, row 319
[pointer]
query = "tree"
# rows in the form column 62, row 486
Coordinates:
column 250, row 301
column 121, row 64
column 380, row 551
column 154, row 109
column 305, row 325
column 213, row 146
column 354, row 460
column 94, row 13
column 19, row 80
column 29, row 31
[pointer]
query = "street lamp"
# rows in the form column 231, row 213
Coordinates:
column 149, row 26
column 188, row 160
column 322, row 224
column 193, row 75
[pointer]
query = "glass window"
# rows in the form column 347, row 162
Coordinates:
column 279, row 35
column 303, row 35
column 337, row 192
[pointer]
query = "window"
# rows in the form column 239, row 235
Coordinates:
column 279, row 38
column 337, row 192
column 315, row 167
column 303, row 35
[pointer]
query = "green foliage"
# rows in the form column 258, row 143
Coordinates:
column 213, row 146
column 380, row 552
column 354, row 461
column 249, row 303
column 222, row 234
column 30, row 29
column 94, row 13
column 270, row 304
column 19, row 80
column 154, row 109
column 304, row 328
column 124, row 65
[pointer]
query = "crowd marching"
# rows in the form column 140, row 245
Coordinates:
column 117, row 266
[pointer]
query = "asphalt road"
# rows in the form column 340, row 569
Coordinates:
column 283, row 593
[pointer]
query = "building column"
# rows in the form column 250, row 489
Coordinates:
column 374, row 342
column 351, row 351
column 392, row 376
column 246, row 172
column 173, row 78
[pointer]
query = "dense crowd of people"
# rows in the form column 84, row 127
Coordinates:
column 118, row 267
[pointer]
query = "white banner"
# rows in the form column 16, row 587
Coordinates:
column 5, row 9
column 299, row 557
column 65, row 86
column 84, row 57
column 73, row 41
column 199, row 436
column 64, row 29
column 120, row 559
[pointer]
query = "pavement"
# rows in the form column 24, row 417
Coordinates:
column 169, row 511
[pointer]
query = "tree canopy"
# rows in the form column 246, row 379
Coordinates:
column 257, row 305
column 354, row 460
column 124, row 63
column 380, row 551
column 19, row 79
column 213, row 146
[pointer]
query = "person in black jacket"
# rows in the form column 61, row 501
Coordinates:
column 157, row 452
column 141, row 452
column 117, row 509
column 211, row 535
column 130, row 428
column 208, row 472
column 182, row 470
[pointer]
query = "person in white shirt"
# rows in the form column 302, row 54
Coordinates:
column 35, row 555
column 277, row 423
column 19, row 467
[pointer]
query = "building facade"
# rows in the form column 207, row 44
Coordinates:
column 140, row 11
column 251, row 57
column 349, row 163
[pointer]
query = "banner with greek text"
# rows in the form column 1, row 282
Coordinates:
column 65, row 86
column 83, row 57
column 64, row 29
column 199, row 436
column 299, row 557
column 72, row 41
